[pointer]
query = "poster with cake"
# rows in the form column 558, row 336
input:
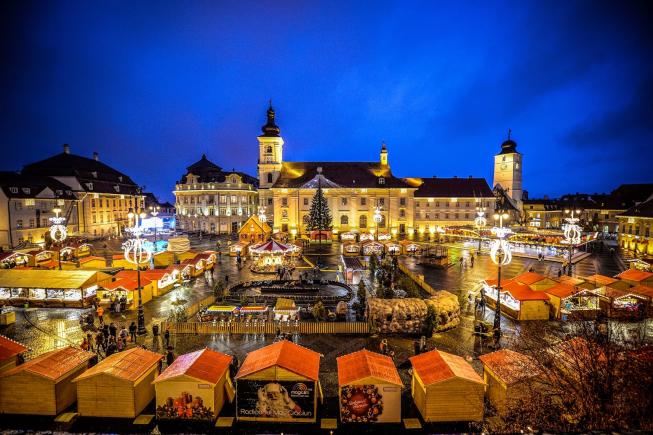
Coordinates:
column 370, row 403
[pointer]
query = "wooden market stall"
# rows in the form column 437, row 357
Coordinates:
column 254, row 231
column 371, row 247
column 50, row 288
column 119, row 260
column 43, row 386
column 369, row 388
column 194, row 387
column 351, row 249
column 566, row 300
column 636, row 277
column 163, row 258
column 410, row 248
column 208, row 259
column 535, row 281
column 161, row 280
column 10, row 260
column 518, row 301
column 92, row 262
column 509, row 376
column 118, row 386
column 279, row 383
column 10, row 352
column 238, row 248
column 596, row 281
column 621, row 303
column 192, row 267
column 353, row 270
column 392, row 248
column 40, row 256
column 446, row 388
column 128, row 288
column 285, row 309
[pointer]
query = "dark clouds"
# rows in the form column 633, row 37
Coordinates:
column 152, row 85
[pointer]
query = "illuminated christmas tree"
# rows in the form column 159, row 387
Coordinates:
column 319, row 218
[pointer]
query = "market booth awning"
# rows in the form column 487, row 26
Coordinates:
column 118, row 386
column 446, row 388
column 194, row 387
column 43, row 386
column 268, row 375
column 369, row 388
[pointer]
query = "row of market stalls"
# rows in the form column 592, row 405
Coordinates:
column 531, row 296
column 45, row 258
column 376, row 247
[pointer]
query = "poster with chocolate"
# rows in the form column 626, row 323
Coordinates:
column 278, row 400
column 370, row 403
column 184, row 407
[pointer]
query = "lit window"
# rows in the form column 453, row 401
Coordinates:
column 344, row 220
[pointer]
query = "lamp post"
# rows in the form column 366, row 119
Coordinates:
column 58, row 231
column 137, row 252
column 154, row 211
column 377, row 220
column 501, row 256
column 480, row 223
column 572, row 234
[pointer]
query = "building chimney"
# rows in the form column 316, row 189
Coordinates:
column 96, row 156
column 66, row 148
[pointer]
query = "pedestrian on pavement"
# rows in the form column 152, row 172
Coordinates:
column 112, row 347
column 497, row 337
column 100, row 314
column 120, row 345
column 116, row 307
column 113, row 330
column 416, row 347
column 170, row 357
column 132, row 331
column 123, row 335
column 422, row 344
column 559, row 273
column 166, row 336
column 383, row 346
column 89, row 338
column 226, row 279
column 471, row 259
column 99, row 342
column 462, row 262
column 84, row 344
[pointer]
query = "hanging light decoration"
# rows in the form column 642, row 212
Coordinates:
column 240, row 211
column 500, row 251
column 58, row 231
column 378, row 217
column 571, row 230
column 480, row 220
column 228, row 213
column 261, row 214
column 136, row 250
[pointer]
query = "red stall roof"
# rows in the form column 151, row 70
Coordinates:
column 364, row 364
column 529, row 278
column 205, row 365
column 510, row 366
column 129, row 365
column 523, row 292
column 54, row 364
column 635, row 275
column 10, row 348
column 437, row 366
column 285, row 354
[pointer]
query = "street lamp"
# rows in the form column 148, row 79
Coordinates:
column 377, row 219
column 137, row 252
column 572, row 232
column 58, row 231
column 154, row 211
column 501, row 256
column 480, row 222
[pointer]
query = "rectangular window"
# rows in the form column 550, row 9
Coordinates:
column 234, row 199
column 343, row 201
column 466, row 215
column 437, row 215
column 467, row 204
column 284, row 214
column 29, row 202
column 94, row 218
column 458, row 205
column 269, row 201
column 437, row 204
column 427, row 215
column 455, row 215
column 402, row 201
column 19, row 223
column 305, row 201
column 92, row 203
column 381, row 201
column 416, row 204
column 284, row 202
column 363, row 201
column 446, row 204
column 446, row 215
column 31, row 222
column 223, row 199
column 402, row 212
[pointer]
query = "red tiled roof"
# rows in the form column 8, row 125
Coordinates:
column 363, row 364
column 10, row 348
column 601, row 279
column 642, row 290
column 523, row 292
column 205, row 365
column 529, row 278
column 437, row 366
column 492, row 282
column 510, row 366
column 635, row 275
column 152, row 274
column 129, row 365
column 285, row 354
column 54, row 364
column 562, row 290
column 126, row 283
column 570, row 280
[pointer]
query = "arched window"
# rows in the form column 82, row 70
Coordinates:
column 382, row 223
column 269, row 149
column 270, row 178
column 344, row 220
column 362, row 221
column 305, row 219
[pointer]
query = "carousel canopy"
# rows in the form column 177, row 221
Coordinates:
column 271, row 247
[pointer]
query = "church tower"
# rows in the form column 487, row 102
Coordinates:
column 508, row 170
column 270, row 157
column 383, row 158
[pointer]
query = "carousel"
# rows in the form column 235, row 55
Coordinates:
column 269, row 256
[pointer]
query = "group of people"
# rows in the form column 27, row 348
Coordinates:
column 461, row 261
column 284, row 272
column 109, row 339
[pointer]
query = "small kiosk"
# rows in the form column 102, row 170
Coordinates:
column 567, row 300
column 254, row 231
column 238, row 248
column 9, row 352
column 39, row 257
column 535, row 281
column 194, row 387
column 411, row 248
column 10, row 260
column 285, row 309
column 636, row 277
column 208, row 259
column 161, row 280
column 279, row 383
column 518, row 301
column 92, row 262
column 369, row 388
column 371, row 247
column 351, row 249
column 119, row 260
column 392, row 248
column 192, row 267
column 446, row 388
column 163, row 258
column 596, row 281
column 118, row 386
column 43, row 386
column 128, row 288
column 507, row 374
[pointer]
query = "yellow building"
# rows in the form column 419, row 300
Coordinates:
column 543, row 213
column 211, row 200
column 636, row 225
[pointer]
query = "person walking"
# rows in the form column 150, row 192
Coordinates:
column 170, row 357
column 100, row 314
column 89, row 339
column 132, row 331
column 123, row 335
column 416, row 347
column 471, row 259
column 99, row 342
column 166, row 336
column 113, row 330
column 422, row 344
column 111, row 347
column 383, row 347
column 84, row 344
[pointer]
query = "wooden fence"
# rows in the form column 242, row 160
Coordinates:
column 269, row 328
column 419, row 280
column 193, row 309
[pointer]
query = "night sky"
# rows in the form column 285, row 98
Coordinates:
column 152, row 86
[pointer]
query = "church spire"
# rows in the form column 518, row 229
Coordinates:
column 270, row 129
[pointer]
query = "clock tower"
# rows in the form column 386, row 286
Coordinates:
column 508, row 170
column 270, row 157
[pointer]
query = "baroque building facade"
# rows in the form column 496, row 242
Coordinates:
column 211, row 200
column 363, row 197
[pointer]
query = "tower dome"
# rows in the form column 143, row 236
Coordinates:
column 508, row 146
column 270, row 129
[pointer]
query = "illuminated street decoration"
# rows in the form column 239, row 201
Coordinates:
column 500, row 251
column 480, row 222
column 572, row 232
column 261, row 214
column 58, row 231
column 137, row 251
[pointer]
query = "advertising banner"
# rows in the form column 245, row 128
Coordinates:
column 276, row 400
column 187, row 405
column 370, row 403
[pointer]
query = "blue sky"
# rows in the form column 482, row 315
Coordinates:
column 153, row 85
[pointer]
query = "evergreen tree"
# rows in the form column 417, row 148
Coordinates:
column 319, row 218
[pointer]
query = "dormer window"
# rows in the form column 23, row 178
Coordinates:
column 381, row 180
column 13, row 189
column 94, row 174
column 89, row 186
column 120, row 178
column 26, row 190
